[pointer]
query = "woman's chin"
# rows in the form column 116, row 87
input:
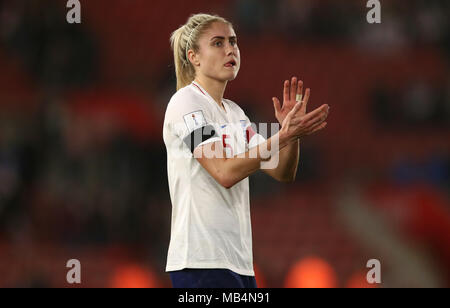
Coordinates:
column 231, row 73
column 231, row 76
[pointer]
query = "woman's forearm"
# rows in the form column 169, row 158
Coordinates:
column 241, row 166
column 288, row 162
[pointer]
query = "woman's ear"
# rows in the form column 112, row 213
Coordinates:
column 193, row 57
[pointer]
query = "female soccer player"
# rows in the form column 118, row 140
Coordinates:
column 211, row 151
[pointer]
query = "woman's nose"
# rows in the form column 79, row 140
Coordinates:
column 230, row 50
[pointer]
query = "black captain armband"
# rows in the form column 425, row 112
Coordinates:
column 199, row 135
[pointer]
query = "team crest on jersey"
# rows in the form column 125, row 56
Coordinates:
column 194, row 120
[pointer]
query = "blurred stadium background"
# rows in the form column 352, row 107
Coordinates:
column 83, row 166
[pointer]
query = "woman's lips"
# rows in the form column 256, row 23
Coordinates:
column 230, row 64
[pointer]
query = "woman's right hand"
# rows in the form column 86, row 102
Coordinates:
column 298, row 124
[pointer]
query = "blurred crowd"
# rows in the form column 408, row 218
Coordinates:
column 82, row 161
column 404, row 23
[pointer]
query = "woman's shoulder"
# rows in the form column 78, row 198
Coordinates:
column 185, row 97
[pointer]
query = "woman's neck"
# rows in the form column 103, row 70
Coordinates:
column 214, row 88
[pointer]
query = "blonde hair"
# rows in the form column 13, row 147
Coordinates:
column 186, row 38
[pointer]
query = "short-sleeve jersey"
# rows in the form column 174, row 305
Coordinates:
column 211, row 226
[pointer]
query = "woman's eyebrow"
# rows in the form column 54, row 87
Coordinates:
column 222, row 38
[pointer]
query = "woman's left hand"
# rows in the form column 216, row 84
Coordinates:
column 291, row 90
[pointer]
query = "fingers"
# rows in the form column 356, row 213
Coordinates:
column 309, row 124
column 306, row 99
column 276, row 105
column 296, row 108
column 299, row 89
column 293, row 89
column 316, row 113
column 312, row 127
column 317, row 128
column 293, row 111
column 317, row 120
column 286, row 91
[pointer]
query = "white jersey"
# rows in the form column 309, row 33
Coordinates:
column 211, row 225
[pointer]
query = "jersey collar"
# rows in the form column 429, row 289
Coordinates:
column 205, row 93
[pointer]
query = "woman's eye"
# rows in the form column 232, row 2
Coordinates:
column 218, row 44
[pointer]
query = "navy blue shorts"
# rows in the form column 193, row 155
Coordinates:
column 211, row 278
